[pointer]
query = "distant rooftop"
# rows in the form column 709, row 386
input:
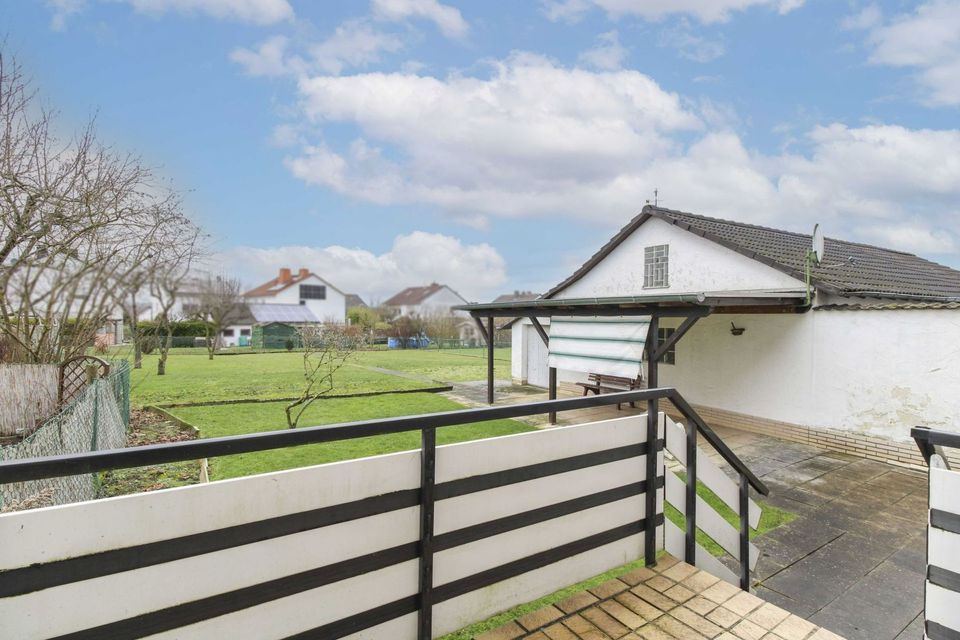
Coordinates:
column 517, row 296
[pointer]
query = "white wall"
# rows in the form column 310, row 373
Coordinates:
column 696, row 265
column 878, row 372
column 334, row 308
column 437, row 304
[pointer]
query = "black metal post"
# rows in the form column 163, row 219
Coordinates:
column 428, row 467
column 552, row 393
column 744, row 533
column 690, row 548
column 490, row 343
column 653, row 418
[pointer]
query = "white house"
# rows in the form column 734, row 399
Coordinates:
column 875, row 352
column 324, row 301
column 433, row 299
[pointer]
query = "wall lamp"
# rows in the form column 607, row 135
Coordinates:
column 735, row 330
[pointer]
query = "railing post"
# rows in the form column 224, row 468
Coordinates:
column 428, row 466
column 744, row 533
column 690, row 548
column 653, row 423
column 552, row 393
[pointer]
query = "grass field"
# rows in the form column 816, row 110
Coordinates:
column 225, row 420
column 193, row 378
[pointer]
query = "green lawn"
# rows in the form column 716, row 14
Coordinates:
column 225, row 420
column 193, row 378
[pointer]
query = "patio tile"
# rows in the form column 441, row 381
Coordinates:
column 794, row 628
column 508, row 631
column 539, row 618
column 605, row 622
column 577, row 601
column 622, row 614
column 609, row 588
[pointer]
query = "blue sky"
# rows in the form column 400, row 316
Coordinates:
column 496, row 145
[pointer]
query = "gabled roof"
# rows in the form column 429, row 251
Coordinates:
column 416, row 295
column 517, row 296
column 286, row 313
column 275, row 286
column 353, row 300
column 847, row 269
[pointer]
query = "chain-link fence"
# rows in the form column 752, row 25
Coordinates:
column 97, row 418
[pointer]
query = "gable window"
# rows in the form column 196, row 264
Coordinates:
column 656, row 262
column 670, row 357
column 313, row 292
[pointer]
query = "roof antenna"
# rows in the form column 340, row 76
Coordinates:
column 655, row 197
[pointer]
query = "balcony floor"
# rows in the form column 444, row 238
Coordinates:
column 671, row 600
column 856, row 547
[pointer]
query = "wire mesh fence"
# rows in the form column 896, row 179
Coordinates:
column 97, row 418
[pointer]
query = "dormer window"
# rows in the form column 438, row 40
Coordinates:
column 656, row 263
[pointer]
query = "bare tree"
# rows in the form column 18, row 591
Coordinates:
column 441, row 326
column 326, row 349
column 77, row 221
column 171, row 270
column 219, row 301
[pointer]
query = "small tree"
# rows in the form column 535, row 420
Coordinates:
column 326, row 349
column 406, row 328
column 219, row 299
column 441, row 326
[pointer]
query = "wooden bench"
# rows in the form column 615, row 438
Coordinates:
column 601, row 382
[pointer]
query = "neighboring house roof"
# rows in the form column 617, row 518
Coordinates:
column 847, row 269
column 416, row 295
column 517, row 296
column 353, row 300
column 284, row 281
column 286, row 313
column 890, row 306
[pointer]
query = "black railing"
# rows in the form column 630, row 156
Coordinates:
column 931, row 442
column 31, row 578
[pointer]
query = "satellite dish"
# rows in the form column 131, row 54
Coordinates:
column 816, row 251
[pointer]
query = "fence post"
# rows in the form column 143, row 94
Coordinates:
column 744, row 533
column 690, row 550
column 428, row 466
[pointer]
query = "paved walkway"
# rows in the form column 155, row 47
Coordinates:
column 670, row 601
column 853, row 560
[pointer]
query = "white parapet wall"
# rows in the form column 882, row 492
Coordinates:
column 284, row 553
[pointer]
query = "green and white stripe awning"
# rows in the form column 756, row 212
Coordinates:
column 613, row 346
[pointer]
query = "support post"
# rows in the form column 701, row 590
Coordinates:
column 552, row 393
column 690, row 547
column 428, row 466
column 653, row 419
column 490, row 340
column 540, row 330
column 744, row 533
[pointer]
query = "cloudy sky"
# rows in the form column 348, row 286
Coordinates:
column 495, row 145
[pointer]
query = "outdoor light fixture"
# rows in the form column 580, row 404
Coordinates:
column 735, row 330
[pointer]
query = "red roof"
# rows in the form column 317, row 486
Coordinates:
column 283, row 281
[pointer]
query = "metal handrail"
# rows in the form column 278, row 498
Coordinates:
column 92, row 461
column 928, row 440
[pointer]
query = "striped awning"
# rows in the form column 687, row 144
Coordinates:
column 613, row 346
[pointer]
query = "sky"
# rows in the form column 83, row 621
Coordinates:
column 495, row 145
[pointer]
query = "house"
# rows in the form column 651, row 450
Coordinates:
column 353, row 301
column 433, row 299
column 325, row 302
column 868, row 350
column 470, row 332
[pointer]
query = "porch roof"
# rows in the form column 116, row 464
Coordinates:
column 673, row 304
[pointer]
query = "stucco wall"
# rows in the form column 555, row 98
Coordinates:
column 696, row 265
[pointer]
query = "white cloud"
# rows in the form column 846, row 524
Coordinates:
column 261, row 12
column 476, row 271
column 268, row 59
column 609, row 54
column 690, row 45
column 448, row 19
column 62, row 10
column 538, row 139
column 706, row 11
column 355, row 43
column 927, row 40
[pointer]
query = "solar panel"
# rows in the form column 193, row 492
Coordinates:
column 291, row 313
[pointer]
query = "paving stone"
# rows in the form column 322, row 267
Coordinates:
column 680, row 571
column 676, row 628
column 609, row 588
column 577, row 601
column 913, row 631
column 660, row 583
column 539, row 635
column 622, row 614
column 539, row 618
column 655, row 598
column 786, row 603
column 794, row 628
column 679, row 593
column 508, row 631
column 559, row 632
column 748, row 630
column 605, row 622
column 637, row 576
column 768, row 616
column 699, row 581
column 584, row 629
column 720, row 592
column 664, row 563
column 696, row 622
column 639, row 606
column 723, row 617
column 651, row 632
column 743, row 603
column 701, row 605
column 803, row 536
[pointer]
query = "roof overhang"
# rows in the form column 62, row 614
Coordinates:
column 665, row 305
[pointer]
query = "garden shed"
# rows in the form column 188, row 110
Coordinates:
column 274, row 335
